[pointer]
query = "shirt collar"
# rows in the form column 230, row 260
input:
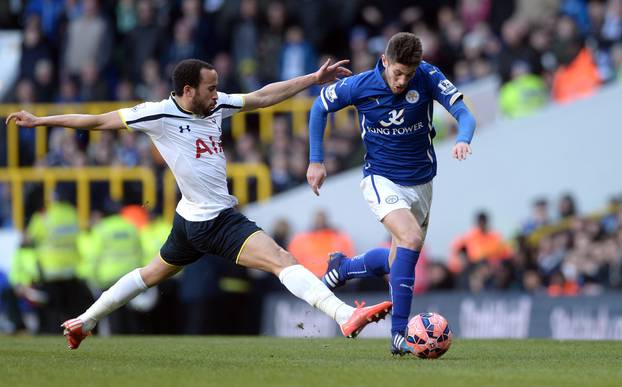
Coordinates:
column 172, row 97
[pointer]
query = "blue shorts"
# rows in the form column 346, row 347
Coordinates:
column 224, row 236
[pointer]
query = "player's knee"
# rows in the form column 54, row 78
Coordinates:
column 411, row 239
column 283, row 259
column 153, row 274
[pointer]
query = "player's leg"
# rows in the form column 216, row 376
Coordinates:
column 260, row 251
column 408, row 228
column 401, row 210
column 382, row 196
column 408, row 241
column 128, row 287
column 175, row 253
column 119, row 294
column 372, row 263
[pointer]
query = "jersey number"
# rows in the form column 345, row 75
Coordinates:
column 202, row 147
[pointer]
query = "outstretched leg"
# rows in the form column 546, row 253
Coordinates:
column 261, row 252
column 373, row 263
column 119, row 294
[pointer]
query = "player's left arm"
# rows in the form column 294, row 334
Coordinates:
column 466, row 128
column 279, row 91
column 448, row 95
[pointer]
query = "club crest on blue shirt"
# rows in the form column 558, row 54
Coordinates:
column 412, row 96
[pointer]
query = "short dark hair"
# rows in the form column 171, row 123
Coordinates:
column 404, row 48
column 188, row 72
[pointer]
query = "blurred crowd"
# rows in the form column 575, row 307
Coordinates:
column 90, row 50
column 565, row 253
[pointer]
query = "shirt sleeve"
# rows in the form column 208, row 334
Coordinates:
column 144, row 117
column 338, row 95
column 229, row 103
column 332, row 98
column 442, row 89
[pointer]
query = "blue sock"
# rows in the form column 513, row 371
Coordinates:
column 401, row 282
column 373, row 263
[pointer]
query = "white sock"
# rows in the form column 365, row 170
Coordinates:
column 126, row 288
column 303, row 284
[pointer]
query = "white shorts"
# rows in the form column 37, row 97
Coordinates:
column 383, row 196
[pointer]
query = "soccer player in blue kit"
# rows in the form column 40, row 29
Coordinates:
column 394, row 103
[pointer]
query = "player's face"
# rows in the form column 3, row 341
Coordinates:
column 206, row 95
column 397, row 75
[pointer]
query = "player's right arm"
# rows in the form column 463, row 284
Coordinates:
column 332, row 98
column 110, row 120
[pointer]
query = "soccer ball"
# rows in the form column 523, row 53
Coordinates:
column 429, row 336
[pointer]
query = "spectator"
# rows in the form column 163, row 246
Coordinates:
column 92, row 87
column 34, row 48
column 68, row 90
column 311, row 248
column 245, row 35
column 481, row 243
column 297, row 54
column 151, row 87
column 87, row 40
column 143, row 41
column 126, row 16
column 473, row 12
column 44, row 80
column 247, row 150
column 182, row 47
column 271, row 41
column 279, row 173
column 54, row 233
column 281, row 232
column 612, row 25
column 50, row 12
column 124, row 91
column 200, row 28
column 567, row 207
column 227, row 80
column 25, row 95
column 114, row 248
column 524, row 94
column 539, row 217
column 514, row 33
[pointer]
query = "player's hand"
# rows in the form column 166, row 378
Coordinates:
column 461, row 150
column 23, row 118
column 316, row 174
column 330, row 72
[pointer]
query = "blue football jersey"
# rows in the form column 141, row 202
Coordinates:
column 396, row 129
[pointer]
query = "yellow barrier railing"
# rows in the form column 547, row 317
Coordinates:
column 239, row 173
column 82, row 177
column 116, row 176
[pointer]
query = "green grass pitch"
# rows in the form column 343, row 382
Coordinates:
column 265, row 361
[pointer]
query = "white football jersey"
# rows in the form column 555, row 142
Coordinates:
column 192, row 148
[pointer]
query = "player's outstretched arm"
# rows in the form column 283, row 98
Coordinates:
column 280, row 91
column 110, row 120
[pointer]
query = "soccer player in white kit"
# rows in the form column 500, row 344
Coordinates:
column 186, row 129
